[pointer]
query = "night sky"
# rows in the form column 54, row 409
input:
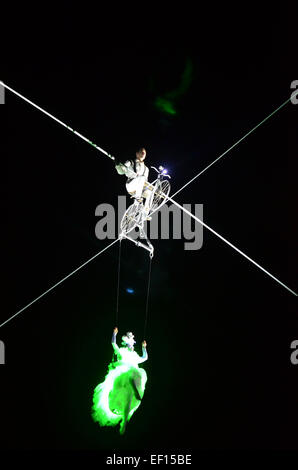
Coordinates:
column 219, row 330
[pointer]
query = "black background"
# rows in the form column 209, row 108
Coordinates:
column 219, row 330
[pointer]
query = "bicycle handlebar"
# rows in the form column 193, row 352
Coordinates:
column 160, row 172
column 157, row 171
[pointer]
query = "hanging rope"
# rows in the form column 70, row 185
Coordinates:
column 114, row 356
column 118, row 285
column 147, row 297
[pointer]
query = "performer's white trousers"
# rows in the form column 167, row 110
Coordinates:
column 136, row 187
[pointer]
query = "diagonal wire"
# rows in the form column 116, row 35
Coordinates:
column 57, row 120
column 235, row 144
column 225, row 240
column 113, row 158
column 230, row 244
column 57, row 284
column 168, row 198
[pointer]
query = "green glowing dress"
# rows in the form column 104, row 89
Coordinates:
column 117, row 398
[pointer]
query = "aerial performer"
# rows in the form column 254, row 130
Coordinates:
column 117, row 398
column 137, row 175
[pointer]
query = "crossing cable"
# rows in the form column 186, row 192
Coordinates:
column 229, row 243
column 168, row 198
column 235, row 144
column 57, row 284
column 57, row 120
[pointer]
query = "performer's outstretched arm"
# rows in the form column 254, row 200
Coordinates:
column 124, row 168
column 121, row 170
column 145, row 354
column 114, row 344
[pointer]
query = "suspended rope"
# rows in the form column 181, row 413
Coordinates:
column 147, row 297
column 118, row 284
column 58, row 283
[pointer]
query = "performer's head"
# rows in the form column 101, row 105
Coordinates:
column 141, row 154
column 128, row 340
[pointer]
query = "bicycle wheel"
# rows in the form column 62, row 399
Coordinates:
column 157, row 197
column 131, row 218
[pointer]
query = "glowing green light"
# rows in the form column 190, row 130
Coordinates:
column 117, row 397
column 168, row 102
column 165, row 105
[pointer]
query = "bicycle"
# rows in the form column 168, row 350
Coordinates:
column 136, row 216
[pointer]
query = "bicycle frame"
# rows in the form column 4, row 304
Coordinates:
column 139, row 209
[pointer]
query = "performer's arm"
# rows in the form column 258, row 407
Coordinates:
column 144, row 351
column 146, row 173
column 123, row 168
column 114, row 344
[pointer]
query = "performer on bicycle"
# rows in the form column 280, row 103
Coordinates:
column 137, row 175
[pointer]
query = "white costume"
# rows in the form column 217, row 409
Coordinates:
column 137, row 174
